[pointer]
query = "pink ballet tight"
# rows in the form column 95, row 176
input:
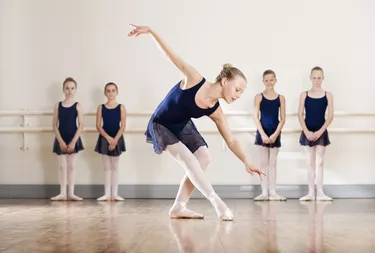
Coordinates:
column 66, row 166
column 315, row 157
column 195, row 177
column 110, row 164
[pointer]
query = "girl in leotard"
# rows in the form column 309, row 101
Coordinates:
column 67, row 141
column 111, row 122
column 314, row 135
column 269, row 105
column 171, row 128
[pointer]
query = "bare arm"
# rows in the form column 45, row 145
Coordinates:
column 55, row 123
column 192, row 76
column 99, row 124
column 80, row 123
column 233, row 144
column 301, row 109
column 282, row 116
column 330, row 112
column 257, row 100
column 123, row 123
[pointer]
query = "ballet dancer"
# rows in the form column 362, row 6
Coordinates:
column 314, row 136
column 110, row 123
column 67, row 141
column 269, row 105
column 171, row 127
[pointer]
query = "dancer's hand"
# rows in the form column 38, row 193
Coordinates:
column 310, row 135
column 63, row 146
column 71, row 147
column 273, row 138
column 112, row 147
column 251, row 169
column 111, row 141
column 265, row 139
column 138, row 30
column 317, row 134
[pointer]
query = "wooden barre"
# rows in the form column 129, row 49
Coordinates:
column 206, row 131
column 149, row 113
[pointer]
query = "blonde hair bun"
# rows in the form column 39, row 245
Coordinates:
column 229, row 72
column 227, row 66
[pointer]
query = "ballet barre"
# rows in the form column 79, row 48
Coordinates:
column 206, row 131
column 25, row 127
column 37, row 130
column 149, row 113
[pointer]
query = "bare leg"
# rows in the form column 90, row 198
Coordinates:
column 311, row 174
column 114, row 178
column 320, row 195
column 71, row 163
column 63, row 169
column 264, row 165
column 107, row 184
column 191, row 165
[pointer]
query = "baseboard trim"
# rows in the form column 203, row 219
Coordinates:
column 169, row 191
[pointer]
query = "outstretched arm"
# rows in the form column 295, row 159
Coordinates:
column 233, row 144
column 191, row 75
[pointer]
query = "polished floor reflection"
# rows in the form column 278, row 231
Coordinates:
column 143, row 226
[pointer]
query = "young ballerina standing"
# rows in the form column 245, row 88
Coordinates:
column 314, row 136
column 111, row 122
column 67, row 141
column 171, row 128
column 269, row 105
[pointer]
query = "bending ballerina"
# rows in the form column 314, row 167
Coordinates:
column 171, row 128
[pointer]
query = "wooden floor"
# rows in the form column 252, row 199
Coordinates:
column 143, row 226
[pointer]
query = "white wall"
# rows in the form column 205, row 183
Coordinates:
column 42, row 42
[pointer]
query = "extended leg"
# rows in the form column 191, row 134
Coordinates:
column 192, row 167
column 186, row 189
